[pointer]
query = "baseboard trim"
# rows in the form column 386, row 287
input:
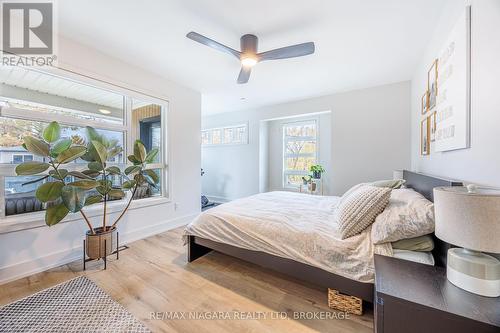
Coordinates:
column 52, row 260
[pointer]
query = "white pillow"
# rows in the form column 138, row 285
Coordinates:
column 408, row 215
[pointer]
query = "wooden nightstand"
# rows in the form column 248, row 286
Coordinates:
column 412, row 297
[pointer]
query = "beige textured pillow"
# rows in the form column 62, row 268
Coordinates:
column 408, row 215
column 359, row 208
column 352, row 189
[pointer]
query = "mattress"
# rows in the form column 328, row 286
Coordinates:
column 291, row 225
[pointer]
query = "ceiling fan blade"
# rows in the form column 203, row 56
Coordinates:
column 244, row 75
column 212, row 43
column 293, row 51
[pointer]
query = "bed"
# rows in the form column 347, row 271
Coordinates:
column 286, row 232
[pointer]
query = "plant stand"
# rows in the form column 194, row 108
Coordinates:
column 117, row 252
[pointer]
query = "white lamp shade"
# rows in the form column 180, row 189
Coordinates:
column 469, row 220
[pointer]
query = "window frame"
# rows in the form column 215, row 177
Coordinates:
column 36, row 219
column 210, row 132
column 285, row 139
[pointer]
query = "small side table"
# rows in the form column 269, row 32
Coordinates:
column 412, row 297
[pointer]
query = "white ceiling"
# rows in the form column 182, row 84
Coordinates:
column 359, row 43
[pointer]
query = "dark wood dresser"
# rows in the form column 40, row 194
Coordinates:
column 412, row 297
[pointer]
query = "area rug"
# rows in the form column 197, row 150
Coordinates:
column 77, row 305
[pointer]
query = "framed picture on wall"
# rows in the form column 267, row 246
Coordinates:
column 432, row 120
column 425, row 141
column 432, row 84
column 425, row 102
column 453, row 126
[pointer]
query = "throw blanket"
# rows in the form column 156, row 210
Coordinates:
column 291, row 225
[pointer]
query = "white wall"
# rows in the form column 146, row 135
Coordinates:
column 275, row 150
column 28, row 251
column 370, row 136
column 480, row 163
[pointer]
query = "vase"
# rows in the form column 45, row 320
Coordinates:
column 316, row 174
column 100, row 244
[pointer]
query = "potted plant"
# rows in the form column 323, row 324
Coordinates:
column 316, row 170
column 88, row 187
column 308, row 180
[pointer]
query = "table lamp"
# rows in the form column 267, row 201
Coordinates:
column 470, row 218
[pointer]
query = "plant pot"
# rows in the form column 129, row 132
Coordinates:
column 94, row 244
column 316, row 175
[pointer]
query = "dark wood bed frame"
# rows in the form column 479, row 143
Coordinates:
column 423, row 184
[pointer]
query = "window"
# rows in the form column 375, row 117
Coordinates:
column 30, row 99
column 147, row 126
column 16, row 159
column 299, row 151
column 230, row 135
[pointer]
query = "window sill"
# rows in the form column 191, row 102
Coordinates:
column 36, row 220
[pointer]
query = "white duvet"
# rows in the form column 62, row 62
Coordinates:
column 291, row 225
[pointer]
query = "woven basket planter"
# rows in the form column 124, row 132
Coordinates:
column 346, row 303
column 94, row 245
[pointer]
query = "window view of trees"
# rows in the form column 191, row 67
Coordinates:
column 300, row 151
column 30, row 100
column 12, row 152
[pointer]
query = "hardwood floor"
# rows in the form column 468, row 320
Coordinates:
column 154, row 276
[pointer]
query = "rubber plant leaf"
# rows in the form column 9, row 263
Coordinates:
column 37, row 147
column 59, row 147
column 52, row 132
column 86, row 184
column 73, row 198
column 49, row 191
column 139, row 151
column 55, row 214
column 31, row 168
column 71, row 154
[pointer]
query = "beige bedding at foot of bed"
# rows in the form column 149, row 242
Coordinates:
column 291, row 225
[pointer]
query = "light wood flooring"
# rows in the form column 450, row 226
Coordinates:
column 153, row 276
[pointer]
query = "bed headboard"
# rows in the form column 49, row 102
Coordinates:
column 425, row 184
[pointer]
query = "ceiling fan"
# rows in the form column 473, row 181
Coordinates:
column 248, row 55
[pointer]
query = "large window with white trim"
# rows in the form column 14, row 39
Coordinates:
column 30, row 99
column 300, row 150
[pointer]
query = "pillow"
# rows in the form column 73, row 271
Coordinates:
column 421, row 244
column 352, row 189
column 392, row 183
column 408, row 215
column 421, row 257
column 358, row 208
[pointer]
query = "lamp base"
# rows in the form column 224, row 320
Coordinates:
column 474, row 271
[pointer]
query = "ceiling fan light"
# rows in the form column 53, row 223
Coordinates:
column 248, row 61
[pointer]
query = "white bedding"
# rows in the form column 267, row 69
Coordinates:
column 291, row 225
